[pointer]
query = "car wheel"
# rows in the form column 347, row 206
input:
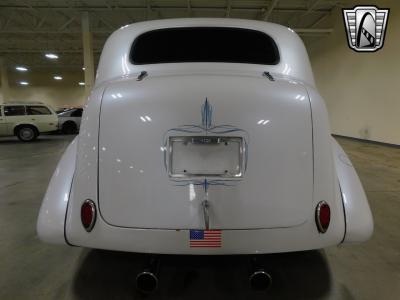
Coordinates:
column 27, row 133
column 69, row 128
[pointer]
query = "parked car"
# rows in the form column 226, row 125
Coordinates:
column 204, row 136
column 60, row 110
column 27, row 121
column 69, row 120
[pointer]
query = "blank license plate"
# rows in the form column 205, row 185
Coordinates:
column 205, row 156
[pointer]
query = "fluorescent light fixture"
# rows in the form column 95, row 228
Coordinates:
column 57, row 77
column 263, row 122
column 81, row 83
column 24, row 83
column 21, row 69
column 51, row 55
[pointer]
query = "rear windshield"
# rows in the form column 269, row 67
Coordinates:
column 204, row 44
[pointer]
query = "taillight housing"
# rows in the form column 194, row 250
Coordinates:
column 88, row 214
column 322, row 216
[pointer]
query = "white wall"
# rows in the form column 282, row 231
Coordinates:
column 361, row 89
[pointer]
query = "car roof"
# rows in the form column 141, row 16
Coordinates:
column 115, row 60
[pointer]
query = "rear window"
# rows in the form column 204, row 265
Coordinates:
column 17, row 110
column 204, row 44
column 38, row 110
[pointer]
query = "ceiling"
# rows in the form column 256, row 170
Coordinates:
column 30, row 28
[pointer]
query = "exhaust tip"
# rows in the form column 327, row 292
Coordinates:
column 260, row 280
column 146, row 282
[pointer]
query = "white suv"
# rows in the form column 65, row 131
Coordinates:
column 26, row 121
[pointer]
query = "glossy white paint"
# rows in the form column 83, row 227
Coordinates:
column 326, row 186
column 51, row 220
column 114, row 61
column 120, row 161
column 359, row 222
column 253, row 241
column 279, row 152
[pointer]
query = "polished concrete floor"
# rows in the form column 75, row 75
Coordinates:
column 30, row 269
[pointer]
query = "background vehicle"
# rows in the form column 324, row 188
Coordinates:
column 26, row 121
column 69, row 120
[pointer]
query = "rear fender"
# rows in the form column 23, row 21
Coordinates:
column 359, row 221
column 51, row 220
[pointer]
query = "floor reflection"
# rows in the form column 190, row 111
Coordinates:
column 111, row 275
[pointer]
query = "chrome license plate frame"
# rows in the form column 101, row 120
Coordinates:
column 199, row 160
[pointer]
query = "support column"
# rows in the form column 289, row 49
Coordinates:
column 5, row 88
column 87, row 53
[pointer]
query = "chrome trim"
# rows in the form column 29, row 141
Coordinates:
column 207, row 140
column 269, row 76
column 268, row 278
column 147, row 273
column 206, row 206
column 93, row 207
column 141, row 76
column 317, row 214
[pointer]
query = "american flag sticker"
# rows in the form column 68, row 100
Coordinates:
column 205, row 238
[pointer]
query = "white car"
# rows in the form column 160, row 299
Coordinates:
column 69, row 120
column 204, row 136
column 27, row 121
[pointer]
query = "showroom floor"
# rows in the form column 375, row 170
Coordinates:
column 30, row 269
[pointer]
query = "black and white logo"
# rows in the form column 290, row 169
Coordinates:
column 365, row 27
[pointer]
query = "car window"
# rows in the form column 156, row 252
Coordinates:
column 204, row 44
column 38, row 110
column 14, row 110
column 77, row 113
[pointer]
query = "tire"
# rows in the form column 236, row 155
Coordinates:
column 69, row 128
column 26, row 133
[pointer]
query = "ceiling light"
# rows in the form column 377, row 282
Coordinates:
column 24, row 83
column 81, row 83
column 21, row 69
column 57, row 77
column 51, row 55
column 83, row 68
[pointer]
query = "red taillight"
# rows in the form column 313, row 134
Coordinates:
column 88, row 214
column 322, row 216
